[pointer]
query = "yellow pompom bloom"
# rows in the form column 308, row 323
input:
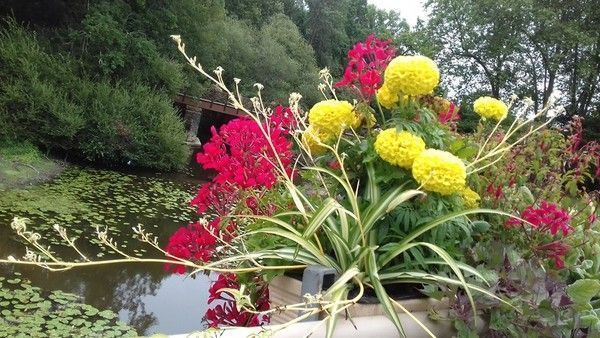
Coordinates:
column 386, row 97
column 470, row 198
column 439, row 171
column 412, row 75
column 311, row 138
column 491, row 108
column 398, row 148
column 332, row 116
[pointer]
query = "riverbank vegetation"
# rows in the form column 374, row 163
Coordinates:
column 22, row 165
column 95, row 79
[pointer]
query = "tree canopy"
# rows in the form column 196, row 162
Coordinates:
column 527, row 47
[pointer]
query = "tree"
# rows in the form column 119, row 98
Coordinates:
column 528, row 47
column 475, row 44
column 254, row 12
column 325, row 31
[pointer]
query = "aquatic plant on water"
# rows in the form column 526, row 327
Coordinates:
column 373, row 182
column 26, row 311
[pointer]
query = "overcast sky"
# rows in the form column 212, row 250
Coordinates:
column 409, row 9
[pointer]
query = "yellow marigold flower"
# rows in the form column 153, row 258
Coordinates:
column 470, row 198
column 439, row 171
column 332, row 116
column 489, row 107
column 386, row 97
column 412, row 75
column 311, row 139
column 398, row 148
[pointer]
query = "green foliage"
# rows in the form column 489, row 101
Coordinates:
column 113, row 73
column 583, row 290
column 45, row 100
column 111, row 50
column 291, row 66
column 24, row 152
column 254, row 12
column 256, row 43
column 134, row 124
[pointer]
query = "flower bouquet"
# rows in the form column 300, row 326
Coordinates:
column 372, row 182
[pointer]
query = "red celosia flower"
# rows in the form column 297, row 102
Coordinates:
column 216, row 198
column 226, row 313
column 242, row 155
column 194, row 242
column 366, row 62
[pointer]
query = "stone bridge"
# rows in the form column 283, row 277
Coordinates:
column 194, row 107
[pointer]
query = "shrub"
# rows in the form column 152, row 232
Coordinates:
column 45, row 100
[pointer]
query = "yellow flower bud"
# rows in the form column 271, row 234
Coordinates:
column 489, row 107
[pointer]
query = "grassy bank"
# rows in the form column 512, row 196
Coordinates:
column 23, row 164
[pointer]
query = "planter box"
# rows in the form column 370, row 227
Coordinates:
column 285, row 290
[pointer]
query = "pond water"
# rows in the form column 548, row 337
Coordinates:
column 144, row 296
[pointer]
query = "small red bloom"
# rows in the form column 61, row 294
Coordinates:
column 449, row 116
column 592, row 218
column 335, row 165
column 216, row 198
column 195, row 242
column 225, row 313
column 556, row 250
column 495, row 192
column 366, row 62
column 547, row 218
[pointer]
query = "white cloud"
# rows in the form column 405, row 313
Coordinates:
column 409, row 9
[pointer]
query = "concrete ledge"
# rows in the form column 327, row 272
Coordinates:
column 375, row 326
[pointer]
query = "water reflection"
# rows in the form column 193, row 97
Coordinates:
column 144, row 296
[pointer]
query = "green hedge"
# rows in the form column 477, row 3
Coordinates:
column 46, row 100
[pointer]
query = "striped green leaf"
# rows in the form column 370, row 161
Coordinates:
column 301, row 242
column 382, row 295
column 317, row 220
